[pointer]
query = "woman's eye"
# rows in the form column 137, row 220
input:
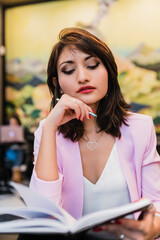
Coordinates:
column 93, row 66
column 68, row 72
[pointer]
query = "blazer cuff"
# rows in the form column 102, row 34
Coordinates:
column 51, row 189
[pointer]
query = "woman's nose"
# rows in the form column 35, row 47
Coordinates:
column 82, row 75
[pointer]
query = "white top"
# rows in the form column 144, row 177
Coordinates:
column 110, row 190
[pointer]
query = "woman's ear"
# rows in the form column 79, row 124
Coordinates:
column 61, row 91
column 54, row 81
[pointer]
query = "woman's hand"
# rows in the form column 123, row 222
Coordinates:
column 128, row 229
column 66, row 109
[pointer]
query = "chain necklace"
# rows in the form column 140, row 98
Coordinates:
column 93, row 145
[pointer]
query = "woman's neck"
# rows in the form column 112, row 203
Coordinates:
column 90, row 126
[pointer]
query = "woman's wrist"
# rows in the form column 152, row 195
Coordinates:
column 49, row 125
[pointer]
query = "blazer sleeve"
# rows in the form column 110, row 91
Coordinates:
column 51, row 189
column 151, row 169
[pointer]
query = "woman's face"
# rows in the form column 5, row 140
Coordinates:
column 13, row 121
column 82, row 76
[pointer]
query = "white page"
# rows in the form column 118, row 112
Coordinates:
column 33, row 226
column 99, row 217
column 35, row 230
column 26, row 212
column 34, row 199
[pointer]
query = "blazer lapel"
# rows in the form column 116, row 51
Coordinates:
column 73, row 181
column 126, row 158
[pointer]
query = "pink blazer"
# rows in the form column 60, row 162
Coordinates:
column 138, row 157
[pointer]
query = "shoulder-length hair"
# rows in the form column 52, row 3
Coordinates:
column 112, row 110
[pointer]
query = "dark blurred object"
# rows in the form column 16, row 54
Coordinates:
column 88, row 235
column 29, row 137
column 136, row 107
column 16, row 158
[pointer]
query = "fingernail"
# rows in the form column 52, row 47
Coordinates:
column 97, row 229
column 118, row 221
column 89, row 116
column 93, row 110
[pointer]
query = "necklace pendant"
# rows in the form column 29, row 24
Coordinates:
column 91, row 145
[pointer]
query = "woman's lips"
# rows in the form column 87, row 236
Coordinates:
column 86, row 89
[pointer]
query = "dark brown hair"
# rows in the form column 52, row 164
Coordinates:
column 112, row 110
column 15, row 116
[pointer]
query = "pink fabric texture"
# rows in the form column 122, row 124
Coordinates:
column 138, row 157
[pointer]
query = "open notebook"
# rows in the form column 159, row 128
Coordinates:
column 41, row 215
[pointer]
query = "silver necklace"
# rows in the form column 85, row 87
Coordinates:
column 93, row 145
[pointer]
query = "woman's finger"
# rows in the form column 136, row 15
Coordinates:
column 132, row 229
column 80, row 108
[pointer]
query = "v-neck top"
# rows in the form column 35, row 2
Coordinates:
column 110, row 190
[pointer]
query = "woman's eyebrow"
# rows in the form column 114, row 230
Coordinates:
column 88, row 57
column 71, row 62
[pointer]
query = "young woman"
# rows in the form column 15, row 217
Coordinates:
column 88, row 163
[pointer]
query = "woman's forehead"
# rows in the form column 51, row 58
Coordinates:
column 73, row 52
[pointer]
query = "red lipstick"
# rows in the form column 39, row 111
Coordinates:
column 86, row 89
